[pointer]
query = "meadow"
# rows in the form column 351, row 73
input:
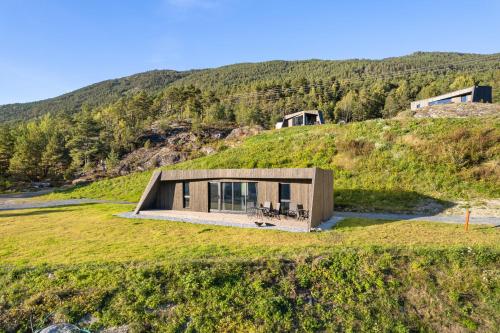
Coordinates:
column 78, row 262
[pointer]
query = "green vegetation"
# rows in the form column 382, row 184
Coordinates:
column 90, row 234
column 75, row 262
column 90, row 128
column 378, row 165
column 166, row 276
column 97, row 94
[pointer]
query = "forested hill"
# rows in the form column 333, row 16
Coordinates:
column 279, row 80
column 94, row 95
column 95, row 127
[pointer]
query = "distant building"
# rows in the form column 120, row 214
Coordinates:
column 473, row 94
column 301, row 118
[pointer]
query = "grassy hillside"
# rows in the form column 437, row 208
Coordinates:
column 94, row 95
column 395, row 276
column 378, row 165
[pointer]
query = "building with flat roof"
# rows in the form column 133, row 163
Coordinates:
column 481, row 94
column 301, row 118
column 307, row 192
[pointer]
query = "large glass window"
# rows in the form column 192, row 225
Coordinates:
column 441, row 101
column 186, row 197
column 214, row 196
column 285, row 195
column 236, row 196
column 297, row 121
column 251, row 194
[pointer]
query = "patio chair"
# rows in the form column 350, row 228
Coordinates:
column 275, row 213
column 267, row 208
column 303, row 214
column 293, row 210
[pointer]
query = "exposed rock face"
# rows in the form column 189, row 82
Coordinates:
column 173, row 145
column 243, row 132
column 459, row 110
column 149, row 158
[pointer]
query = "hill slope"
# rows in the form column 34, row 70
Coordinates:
column 248, row 77
column 94, row 95
column 397, row 165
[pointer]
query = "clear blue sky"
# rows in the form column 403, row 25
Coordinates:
column 49, row 47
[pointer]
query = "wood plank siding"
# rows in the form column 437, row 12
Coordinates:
column 311, row 187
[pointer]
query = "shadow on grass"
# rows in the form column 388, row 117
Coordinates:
column 388, row 201
column 42, row 210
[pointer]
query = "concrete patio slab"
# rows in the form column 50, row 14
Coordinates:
column 220, row 219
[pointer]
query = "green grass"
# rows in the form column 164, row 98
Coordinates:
column 384, row 165
column 90, row 233
column 65, row 263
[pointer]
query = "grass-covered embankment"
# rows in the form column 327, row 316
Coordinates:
column 378, row 165
column 360, row 290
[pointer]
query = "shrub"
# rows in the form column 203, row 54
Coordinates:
column 356, row 147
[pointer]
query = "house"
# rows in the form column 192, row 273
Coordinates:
column 301, row 118
column 472, row 94
column 222, row 193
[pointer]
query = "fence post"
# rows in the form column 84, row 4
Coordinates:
column 467, row 215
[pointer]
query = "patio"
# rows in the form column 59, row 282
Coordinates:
column 222, row 219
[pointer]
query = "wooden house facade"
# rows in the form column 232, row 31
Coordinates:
column 234, row 190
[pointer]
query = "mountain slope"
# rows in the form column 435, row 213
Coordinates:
column 352, row 69
column 94, row 95
column 250, row 77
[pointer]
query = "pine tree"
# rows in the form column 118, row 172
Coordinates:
column 84, row 145
column 25, row 162
column 6, row 148
column 55, row 159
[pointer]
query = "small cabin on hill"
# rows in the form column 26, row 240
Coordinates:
column 301, row 118
column 479, row 94
column 232, row 194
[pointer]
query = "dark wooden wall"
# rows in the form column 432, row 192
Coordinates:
column 313, row 188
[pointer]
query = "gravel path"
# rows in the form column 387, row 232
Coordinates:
column 54, row 203
column 25, row 200
column 431, row 218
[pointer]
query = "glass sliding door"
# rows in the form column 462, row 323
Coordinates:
column 232, row 196
column 239, row 190
column 227, row 196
